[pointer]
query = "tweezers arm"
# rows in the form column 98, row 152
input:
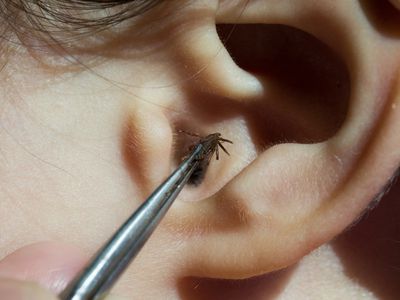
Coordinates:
column 108, row 264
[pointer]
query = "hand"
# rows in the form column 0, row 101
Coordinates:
column 11, row 289
column 40, row 271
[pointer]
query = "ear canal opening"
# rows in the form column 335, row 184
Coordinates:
column 308, row 83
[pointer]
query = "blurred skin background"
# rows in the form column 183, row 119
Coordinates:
column 95, row 93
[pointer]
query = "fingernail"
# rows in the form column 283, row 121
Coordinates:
column 18, row 290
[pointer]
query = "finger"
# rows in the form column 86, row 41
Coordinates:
column 19, row 290
column 50, row 264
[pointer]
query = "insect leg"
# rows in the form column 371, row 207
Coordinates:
column 217, row 152
column 225, row 140
column 189, row 133
column 223, row 148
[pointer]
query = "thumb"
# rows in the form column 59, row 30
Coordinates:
column 51, row 264
column 11, row 289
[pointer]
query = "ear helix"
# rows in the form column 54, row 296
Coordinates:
column 209, row 63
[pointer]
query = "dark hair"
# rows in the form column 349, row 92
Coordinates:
column 74, row 16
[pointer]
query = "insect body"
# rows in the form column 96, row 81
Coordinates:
column 212, row 143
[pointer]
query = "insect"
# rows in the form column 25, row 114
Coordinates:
column 212, row 143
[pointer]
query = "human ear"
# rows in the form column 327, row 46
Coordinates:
column 318, row 121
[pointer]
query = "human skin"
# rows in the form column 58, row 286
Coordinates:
column 84, row 143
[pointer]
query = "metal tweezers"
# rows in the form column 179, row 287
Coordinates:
column 98, row 277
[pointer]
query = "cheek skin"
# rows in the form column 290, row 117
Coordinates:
column 67, row 178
